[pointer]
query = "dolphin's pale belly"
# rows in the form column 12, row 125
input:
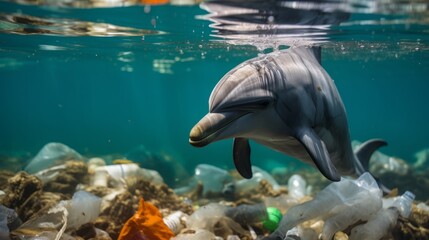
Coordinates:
column 289, row 146
column 267, row 128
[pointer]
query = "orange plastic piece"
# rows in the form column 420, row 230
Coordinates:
column 154, row 2
column 146, row 224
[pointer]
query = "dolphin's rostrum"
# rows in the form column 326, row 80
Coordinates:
column 284, row 100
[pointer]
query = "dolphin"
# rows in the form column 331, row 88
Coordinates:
column 286, row 101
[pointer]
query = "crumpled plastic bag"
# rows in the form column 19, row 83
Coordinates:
column 147, row 223
column 52, row 154
column 340, row 204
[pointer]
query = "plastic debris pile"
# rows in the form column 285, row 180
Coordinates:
column 63, row 195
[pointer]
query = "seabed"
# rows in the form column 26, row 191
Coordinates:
column 32, row 199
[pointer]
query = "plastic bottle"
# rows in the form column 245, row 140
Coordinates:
column 117, row 173
column 382, row 222
column 248, row 214
column 212, row 178
column 376, row 227
column 94, row 163
column 207, row 216
column 176, row 221
column 282, row 202
column 297, row 186
column 245, row 185
column 404, row 203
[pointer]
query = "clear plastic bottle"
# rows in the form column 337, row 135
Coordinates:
column 376, row 227
column 404, row 203
column 380, row 224
column 248, row 214
column 176, row 221
column 212, row 178
column 207, row 216
column 297, row 186
column 245, row 185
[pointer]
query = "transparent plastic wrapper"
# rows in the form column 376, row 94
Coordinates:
column 50, row 174
column 340, row 205
column 52, row 154
column 47, row 226
column 84, row 207
column 212, row 178
column 190, row 187
column 245, row 185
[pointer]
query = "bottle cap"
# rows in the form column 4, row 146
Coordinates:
column 274, row 216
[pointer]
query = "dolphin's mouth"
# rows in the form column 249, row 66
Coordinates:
column 210, row 126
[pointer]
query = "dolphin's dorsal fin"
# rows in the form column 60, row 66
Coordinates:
column 366, row 149
column 363, row 155
column 241, row 156
column 319, row 154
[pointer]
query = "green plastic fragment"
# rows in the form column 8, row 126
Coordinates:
column 274, row 216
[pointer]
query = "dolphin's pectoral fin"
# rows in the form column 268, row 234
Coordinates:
column 241, row 156
column 317, row 150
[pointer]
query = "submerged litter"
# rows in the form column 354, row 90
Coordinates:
column 91, row 199
column 146, row 223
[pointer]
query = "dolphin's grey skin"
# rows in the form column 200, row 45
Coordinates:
column 286, row 101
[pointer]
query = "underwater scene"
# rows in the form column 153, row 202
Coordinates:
column 221, row 119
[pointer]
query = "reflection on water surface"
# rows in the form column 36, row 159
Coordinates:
column 24, row 24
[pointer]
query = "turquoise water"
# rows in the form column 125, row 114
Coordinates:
column 66, row 76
